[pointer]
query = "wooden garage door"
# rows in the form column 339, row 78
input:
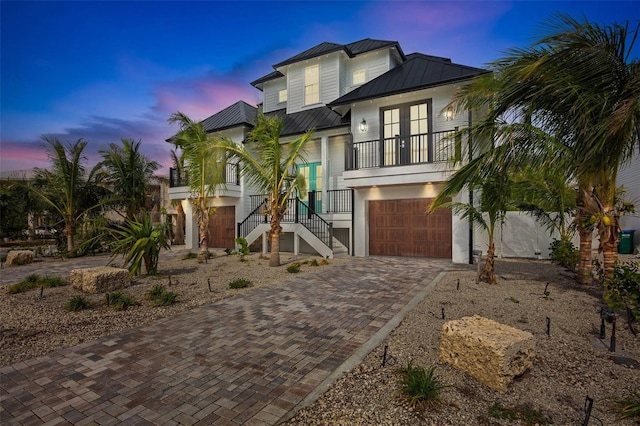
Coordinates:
column 222, row 228
column 402, row 228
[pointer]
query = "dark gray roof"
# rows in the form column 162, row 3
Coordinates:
column 321, row 118
column 240, row 113
column 271, row 76
column 351, row 49
column 418, row 72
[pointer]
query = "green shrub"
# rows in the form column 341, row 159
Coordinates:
column 240, row 283
column 244, row 247
column 314, row 262
column 419, row 387
column 628, row 407
column 119, row 300
column 190, row 255
column 155, row 292
column 526, row 414
column 294, row 268
column 77, row 303
column 34, row 281
column 166, row 298
column 623, row 288
column 565, row 253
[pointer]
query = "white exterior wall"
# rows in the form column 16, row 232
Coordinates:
column 374, row 64
column 521, row 236
column 629, row 177
column 337, row 147
column 271, row 92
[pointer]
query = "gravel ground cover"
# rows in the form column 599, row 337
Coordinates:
column 31, row 326
column 571, row 361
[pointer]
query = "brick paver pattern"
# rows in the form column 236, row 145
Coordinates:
column 247, row 360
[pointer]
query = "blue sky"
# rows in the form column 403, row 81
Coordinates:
column 108, row 70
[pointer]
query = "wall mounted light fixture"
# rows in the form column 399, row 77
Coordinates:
column 363, row 125
column 449, row 113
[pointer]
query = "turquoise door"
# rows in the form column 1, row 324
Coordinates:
column 312, row 173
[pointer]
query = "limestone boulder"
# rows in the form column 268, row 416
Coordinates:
column 491, row 352
column 19, row 257
column 100, row 279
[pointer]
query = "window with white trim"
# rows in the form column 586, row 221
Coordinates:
column 359, row 77
column 282, row 96
column 312, row 84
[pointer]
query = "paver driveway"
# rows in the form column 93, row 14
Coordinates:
column 251, row 359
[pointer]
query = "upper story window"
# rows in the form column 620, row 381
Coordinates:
column 312, row 84
column 359, row 77
column 282, row 96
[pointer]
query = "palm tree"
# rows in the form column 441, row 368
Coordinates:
column 129, row 172
column 579, row 85
column 495, row 193
column 139, row 241
column 273, row 172
column 205, row 164
column 66, row 188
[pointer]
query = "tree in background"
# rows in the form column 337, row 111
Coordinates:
column 66, row 188
column 128, row 172
column 205, row 165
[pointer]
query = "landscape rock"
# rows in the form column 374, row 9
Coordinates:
column 491, row 352
column 100, row 279
column 19, row 257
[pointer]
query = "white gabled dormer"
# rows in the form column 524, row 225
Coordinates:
column 326, row 72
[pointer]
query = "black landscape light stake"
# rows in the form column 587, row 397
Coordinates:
column 41, row 292
column 588, row 405
column 602, row 328
column 169, row 279
column 443, row 312
column 548, row 326
column 612, row 345
column 108, row 298
column 209, row 284
column 458, row 285
column 384, row 355
column 546, row 292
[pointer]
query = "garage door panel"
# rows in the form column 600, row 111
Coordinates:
column 222, row 226
column 402, row 228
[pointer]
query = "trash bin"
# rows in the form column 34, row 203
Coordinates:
column 625, row 246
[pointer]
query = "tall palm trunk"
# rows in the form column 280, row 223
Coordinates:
column 609, row 239
column 276, row 230
column 203, row 231
column 70, row 231
column 584, row 264
column 488, row 273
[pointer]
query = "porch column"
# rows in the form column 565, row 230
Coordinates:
column 324, row 158
column 190, row 227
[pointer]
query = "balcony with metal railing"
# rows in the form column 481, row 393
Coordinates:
column 432, row 147
column 178, row 178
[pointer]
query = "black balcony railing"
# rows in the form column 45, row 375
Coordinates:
column 401, row 151
column 179, row 178
column 338, row 201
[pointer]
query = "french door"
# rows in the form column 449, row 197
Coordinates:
column 406, row 133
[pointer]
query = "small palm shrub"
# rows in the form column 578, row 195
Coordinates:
column 155, row 292
column 77, row 303
column 244, row 247
column 166, row 298
column 33, row 281
column 314, row 262
column 628, row 407
column 294, row 268
column 240, row 283
column 119, row 300
column 419, row 388
column 565, row 253
column 190, row 255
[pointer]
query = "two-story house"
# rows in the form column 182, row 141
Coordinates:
column 378, row 157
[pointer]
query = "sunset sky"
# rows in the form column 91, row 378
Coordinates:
column 108, row 70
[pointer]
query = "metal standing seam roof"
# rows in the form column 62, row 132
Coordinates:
column 321, row 118
column 240, row 113
column 418, row 72
column 351, row 49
